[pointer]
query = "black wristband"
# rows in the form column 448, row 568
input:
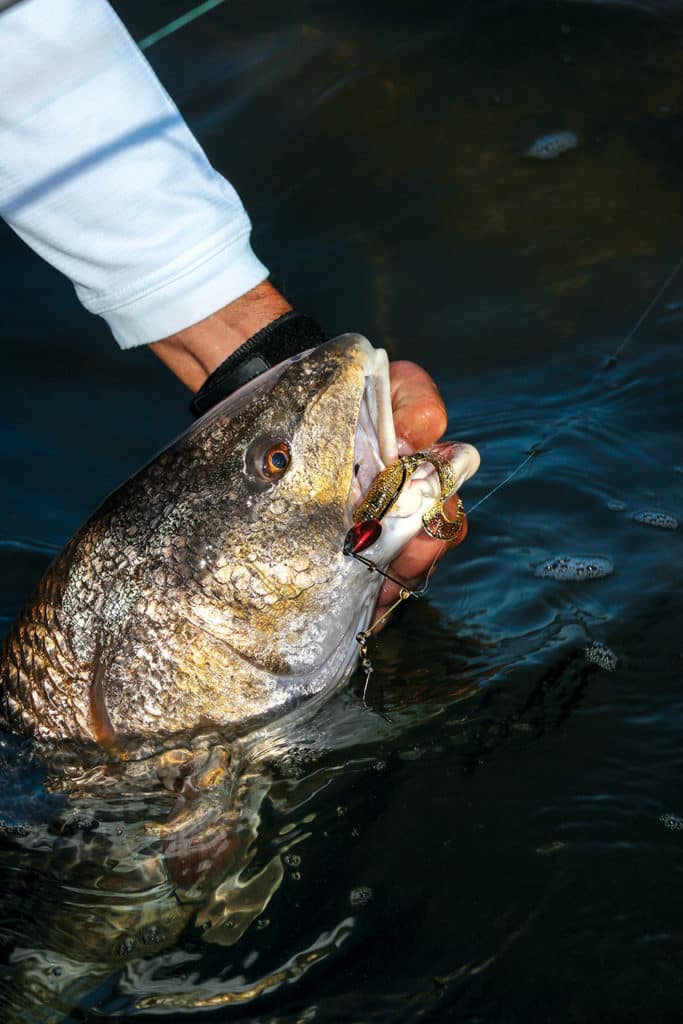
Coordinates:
column 290, row 334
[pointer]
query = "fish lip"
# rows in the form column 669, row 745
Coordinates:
column 376, row 447
column 375, row 442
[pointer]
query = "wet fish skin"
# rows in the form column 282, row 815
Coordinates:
column 199, row 603
column 199, row 592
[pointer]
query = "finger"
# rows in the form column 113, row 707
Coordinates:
column 412, row 566
column 419, row 412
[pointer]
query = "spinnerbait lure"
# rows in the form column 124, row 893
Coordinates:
column 385, row 490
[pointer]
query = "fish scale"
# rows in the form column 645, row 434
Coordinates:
column 205, row 590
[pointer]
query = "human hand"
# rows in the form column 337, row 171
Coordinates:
column 420, row 419
column 419, row 412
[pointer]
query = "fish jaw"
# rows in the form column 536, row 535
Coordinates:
column 376, row 448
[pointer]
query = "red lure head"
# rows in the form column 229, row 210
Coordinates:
column 361, row 536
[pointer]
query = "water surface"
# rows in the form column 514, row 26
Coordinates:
column 493, row 836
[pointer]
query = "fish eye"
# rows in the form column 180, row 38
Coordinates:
column 267, row 459
column 275, row 460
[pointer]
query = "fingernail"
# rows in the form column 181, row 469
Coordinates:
column 404, row 448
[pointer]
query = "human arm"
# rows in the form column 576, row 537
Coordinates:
column 100, row 175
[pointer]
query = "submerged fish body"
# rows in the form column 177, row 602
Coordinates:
column 212, row 588
column 207, row 597
column 117, row 865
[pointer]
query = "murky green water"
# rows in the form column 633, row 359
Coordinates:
column 496, row 836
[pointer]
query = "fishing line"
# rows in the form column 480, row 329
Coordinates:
column 178, row 23
column 646, row 312
column 174, row 26
column 208, row 5
column 609, row 363
column 363, row 637
column 506, row 480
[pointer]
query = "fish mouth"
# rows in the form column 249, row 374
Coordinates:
column 376, row 448
column 375, row 444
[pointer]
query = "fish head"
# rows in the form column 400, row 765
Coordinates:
column 305, row 443
column 213, row 588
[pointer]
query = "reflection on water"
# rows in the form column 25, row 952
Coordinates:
column 503, row 800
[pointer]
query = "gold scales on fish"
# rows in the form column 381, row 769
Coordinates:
column 382, row 494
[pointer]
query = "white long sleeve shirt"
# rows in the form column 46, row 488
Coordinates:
column 101, row 176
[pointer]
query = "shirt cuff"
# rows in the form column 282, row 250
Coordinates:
column 185, row 298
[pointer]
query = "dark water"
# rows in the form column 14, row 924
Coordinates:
column 497, row 836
